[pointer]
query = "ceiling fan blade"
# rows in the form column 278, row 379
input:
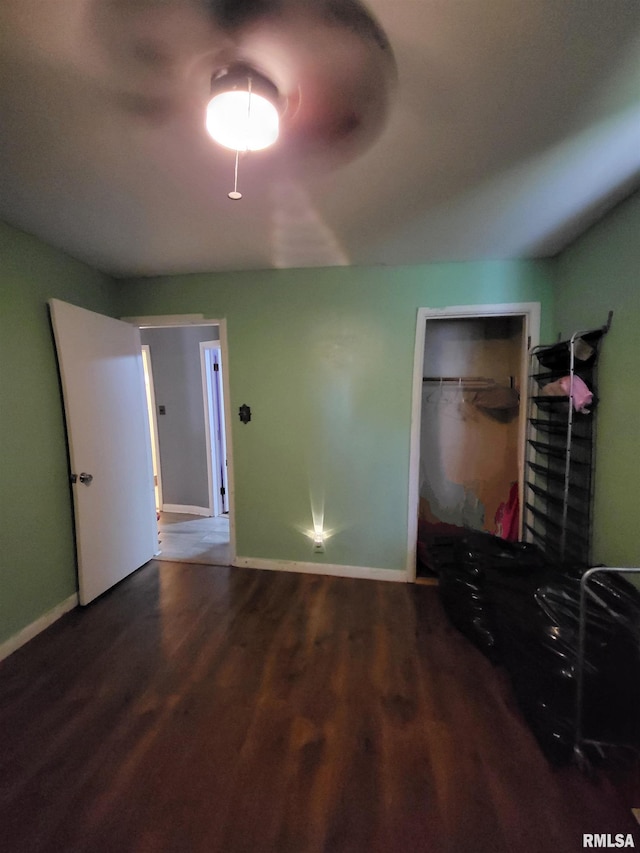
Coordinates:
column 154, row 56
column 154, row 59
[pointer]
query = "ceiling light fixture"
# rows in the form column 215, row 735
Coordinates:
column 243, row 112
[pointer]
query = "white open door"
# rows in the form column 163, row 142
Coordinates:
column 102, row 378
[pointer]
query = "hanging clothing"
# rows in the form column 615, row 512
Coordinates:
column 508, row 516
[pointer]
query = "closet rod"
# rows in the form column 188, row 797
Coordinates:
column 464, row 380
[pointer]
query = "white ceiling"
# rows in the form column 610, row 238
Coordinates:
column 513, row 124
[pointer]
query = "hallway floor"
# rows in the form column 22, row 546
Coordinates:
column 194, row 539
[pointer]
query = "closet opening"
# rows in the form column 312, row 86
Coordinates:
column 470, row 407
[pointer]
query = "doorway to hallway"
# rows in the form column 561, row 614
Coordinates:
column 190, row 419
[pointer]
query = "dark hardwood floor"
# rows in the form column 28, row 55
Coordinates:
column 213, row 709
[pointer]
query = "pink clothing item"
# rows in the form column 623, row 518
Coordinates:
column 582, row 396
column 508, row 516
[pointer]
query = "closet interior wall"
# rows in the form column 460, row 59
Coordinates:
column 468, row 454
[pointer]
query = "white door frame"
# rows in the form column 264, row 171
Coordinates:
column 176, row 320
column 216, row 445
column 530, row 312
column 153, row 419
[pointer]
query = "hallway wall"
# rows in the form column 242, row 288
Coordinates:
column 177, row 379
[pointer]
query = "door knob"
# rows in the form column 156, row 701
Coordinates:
column 86, row 478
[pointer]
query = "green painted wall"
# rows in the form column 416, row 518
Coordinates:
column 601, row 272
column 37, row 558
column 324, row 357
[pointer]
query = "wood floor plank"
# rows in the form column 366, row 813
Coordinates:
column 201, row 709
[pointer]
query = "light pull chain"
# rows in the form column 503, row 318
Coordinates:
column 234, row 194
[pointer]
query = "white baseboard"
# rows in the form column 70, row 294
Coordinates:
column 364, row 572
column 187, row 510
column 30, row 631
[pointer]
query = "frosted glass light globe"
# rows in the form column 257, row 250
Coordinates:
column 243, row 121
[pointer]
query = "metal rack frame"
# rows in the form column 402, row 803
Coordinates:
column 557, row 530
